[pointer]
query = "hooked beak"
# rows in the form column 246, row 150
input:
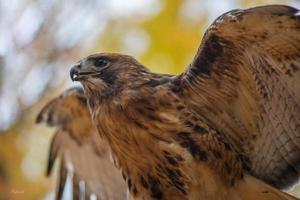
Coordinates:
column 74, row 74
column 78, row 74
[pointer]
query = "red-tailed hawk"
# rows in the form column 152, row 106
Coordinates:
column 228, row 127
column 84, row 154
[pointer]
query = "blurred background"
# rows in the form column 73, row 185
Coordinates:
column 41, row 39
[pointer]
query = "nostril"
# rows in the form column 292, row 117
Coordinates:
column 78, row 65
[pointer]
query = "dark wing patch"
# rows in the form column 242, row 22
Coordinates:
column 245, row 79
column 212, row 49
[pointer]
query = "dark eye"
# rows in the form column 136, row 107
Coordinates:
column 100, row 62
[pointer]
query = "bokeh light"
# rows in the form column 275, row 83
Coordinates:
column 40, row 39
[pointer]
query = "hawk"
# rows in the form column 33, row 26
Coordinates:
column 84, row 154
column 228, row 127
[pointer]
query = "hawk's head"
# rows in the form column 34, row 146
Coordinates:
column 107, row 71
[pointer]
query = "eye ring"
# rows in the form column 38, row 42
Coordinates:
column 100, row 62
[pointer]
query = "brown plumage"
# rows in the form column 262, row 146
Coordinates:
column 85, row 156
column 226, row 128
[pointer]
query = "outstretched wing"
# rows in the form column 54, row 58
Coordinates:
column 245, row 79
column 84, row 155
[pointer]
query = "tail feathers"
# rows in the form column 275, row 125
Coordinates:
column 251, row 188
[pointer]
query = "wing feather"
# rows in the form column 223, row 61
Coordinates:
column 85, row 156
column 62, row 180
column 245, row 78
column 53, row 152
